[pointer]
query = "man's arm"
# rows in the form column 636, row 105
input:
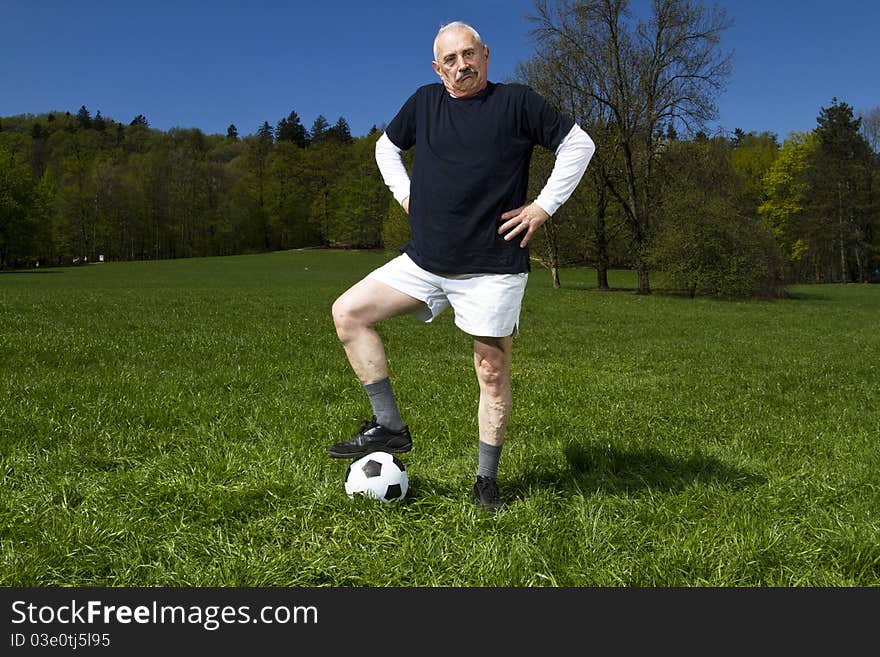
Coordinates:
column 572, row 157
column 390, row 160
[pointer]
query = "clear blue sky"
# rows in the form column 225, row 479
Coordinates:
column 209, row 64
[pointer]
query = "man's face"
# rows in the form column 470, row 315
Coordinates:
column 462, row 63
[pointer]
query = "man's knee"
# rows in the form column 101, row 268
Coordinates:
column 490, row 371
column 492, row 365
column 345, row 317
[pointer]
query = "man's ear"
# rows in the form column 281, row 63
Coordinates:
column 437, row 69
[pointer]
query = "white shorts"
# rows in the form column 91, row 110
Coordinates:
column 485, row 305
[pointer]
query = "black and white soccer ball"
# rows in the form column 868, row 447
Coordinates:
column 380, row 475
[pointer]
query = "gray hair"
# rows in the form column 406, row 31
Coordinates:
column 455, row 25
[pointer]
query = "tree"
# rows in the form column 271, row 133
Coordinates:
column 257, row 156
column 871, row 128
column 786, row 210
column 288, row 196
column 232, row 132
column 821, row 200
column 585, row 215
column 340, row 131
column 644, row 75
column 751, row 157
column 705, row 240
column 73, row 170
column 84, row 118
column 188, row 207
column 292, row 129
column 842, row 189
column 357, row 199
column 133, row 227
column 140, row 119
column 265, row 136
column 320, row 129
column 17, row 201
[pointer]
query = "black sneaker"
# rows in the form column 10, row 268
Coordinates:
column 485, row 494
column 372, row 437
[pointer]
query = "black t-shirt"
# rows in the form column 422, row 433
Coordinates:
column 471, row 165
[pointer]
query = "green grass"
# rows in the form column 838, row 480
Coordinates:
column 166, row 423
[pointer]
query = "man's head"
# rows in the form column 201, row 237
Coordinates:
column 461, row 59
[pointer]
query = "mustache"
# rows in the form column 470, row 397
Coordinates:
column 464, row 72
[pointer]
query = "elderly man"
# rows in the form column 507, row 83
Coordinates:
column 470, row 227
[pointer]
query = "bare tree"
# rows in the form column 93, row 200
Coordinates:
column 871, row 127
column 561, row 80
column 636, row 77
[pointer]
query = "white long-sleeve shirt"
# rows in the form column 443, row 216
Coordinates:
column 572, row 158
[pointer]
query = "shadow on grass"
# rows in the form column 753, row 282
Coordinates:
column 593, row 468
column 592, row 287
column 425, row 488
column 806, row 296
column 685, row 295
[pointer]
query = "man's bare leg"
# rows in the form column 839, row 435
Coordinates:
column 492, row 365
column 355, row 315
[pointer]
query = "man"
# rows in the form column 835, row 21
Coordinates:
column 470, row 230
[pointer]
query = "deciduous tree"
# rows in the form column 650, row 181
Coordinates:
column 645, row 74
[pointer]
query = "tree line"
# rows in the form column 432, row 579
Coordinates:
column 736, row 214
column 77, row 187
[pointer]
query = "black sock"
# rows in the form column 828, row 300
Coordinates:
column 384, row 404
column 488, row 460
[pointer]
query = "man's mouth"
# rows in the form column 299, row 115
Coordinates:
column 464, row 74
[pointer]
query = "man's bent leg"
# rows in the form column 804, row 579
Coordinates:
column 355, row 314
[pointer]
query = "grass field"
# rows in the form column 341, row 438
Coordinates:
column 166, row 423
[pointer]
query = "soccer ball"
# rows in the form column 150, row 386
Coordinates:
column 379, row 475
